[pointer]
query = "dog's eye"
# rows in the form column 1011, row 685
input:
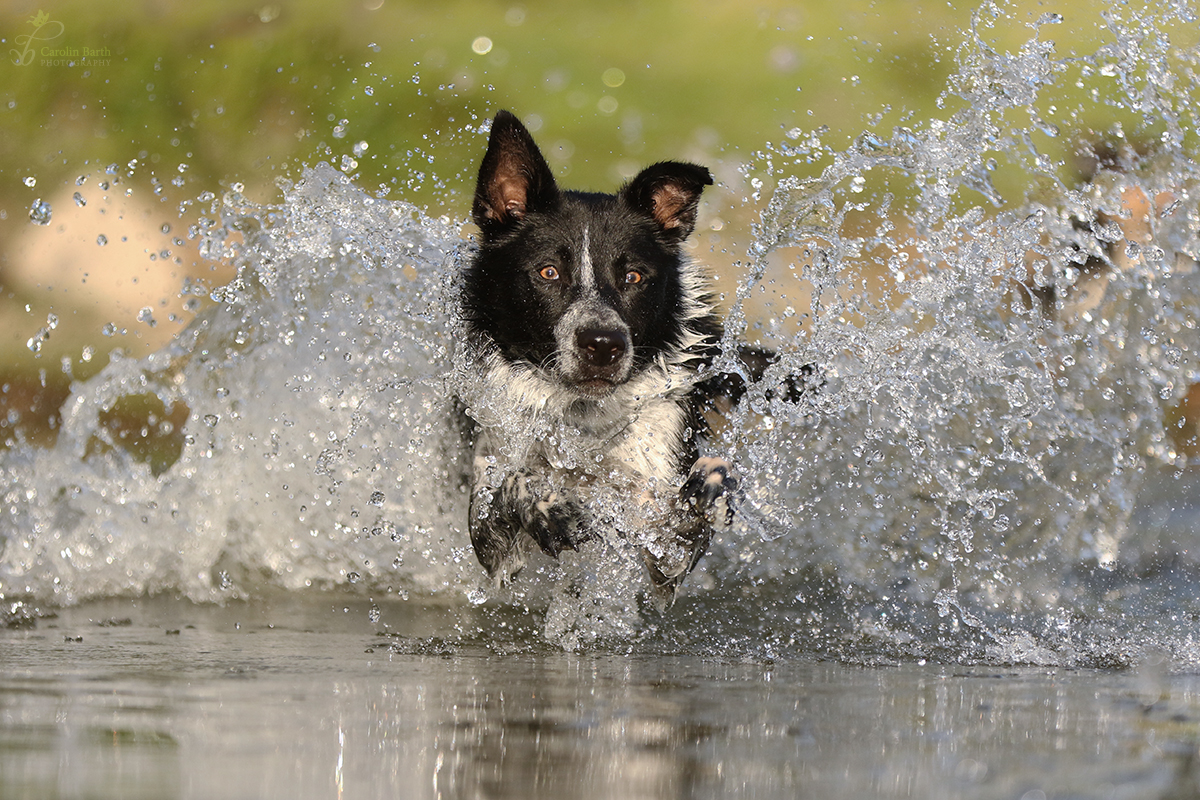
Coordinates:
column 549, row 273
column 633, row 277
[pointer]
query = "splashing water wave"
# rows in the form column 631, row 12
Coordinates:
column 963, row 486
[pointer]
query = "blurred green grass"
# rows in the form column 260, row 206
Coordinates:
column 246, row 91
column 195, row 96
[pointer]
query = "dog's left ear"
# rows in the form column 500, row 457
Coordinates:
column 669, row 193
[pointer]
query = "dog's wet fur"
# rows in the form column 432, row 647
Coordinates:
column 588, row 332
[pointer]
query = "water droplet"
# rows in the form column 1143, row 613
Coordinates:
column 102, row 240
column 80, row 200
column 30, row 182
column 613, row 77
column 477, row 597
column 353, row 577
column 376, row 499
column 36, row 341
column 39, row 212
column 482, row 45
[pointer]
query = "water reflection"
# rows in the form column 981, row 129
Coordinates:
column 308, row 700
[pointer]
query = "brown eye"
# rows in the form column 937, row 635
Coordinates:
column 633, row 277
column 549, row 273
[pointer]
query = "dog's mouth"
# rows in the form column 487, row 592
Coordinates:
column 587, row 383
column 595, row 387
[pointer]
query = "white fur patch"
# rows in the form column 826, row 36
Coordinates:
column 587, row 272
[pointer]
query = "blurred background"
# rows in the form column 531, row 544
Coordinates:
column 123, row 121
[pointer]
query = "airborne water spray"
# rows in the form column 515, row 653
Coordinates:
column 998, row 366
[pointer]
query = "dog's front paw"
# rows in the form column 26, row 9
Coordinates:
column 710, row 480
column 555, row 520
column 557, row 524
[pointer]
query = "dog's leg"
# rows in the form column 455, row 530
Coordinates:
column 522, row 503
column 724, row 390
column 670, row 562
column 495, row 536
column 710, row 484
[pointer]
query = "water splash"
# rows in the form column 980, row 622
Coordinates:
column 997, row 396
column 999, row 365
column 277, row 422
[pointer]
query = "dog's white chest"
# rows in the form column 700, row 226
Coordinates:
column 636, row 450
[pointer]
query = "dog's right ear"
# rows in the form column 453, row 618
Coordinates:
column 514, row 178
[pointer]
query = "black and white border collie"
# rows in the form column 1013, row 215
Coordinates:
column 586, row 333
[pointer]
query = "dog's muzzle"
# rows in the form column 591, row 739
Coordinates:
column 595, row 348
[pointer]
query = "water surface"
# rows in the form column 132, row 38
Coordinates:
column 303, row 697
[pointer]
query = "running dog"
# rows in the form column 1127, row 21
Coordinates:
column 588, row 332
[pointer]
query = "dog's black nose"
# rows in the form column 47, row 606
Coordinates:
column 600, row 348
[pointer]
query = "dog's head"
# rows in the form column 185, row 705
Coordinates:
column 588, row 288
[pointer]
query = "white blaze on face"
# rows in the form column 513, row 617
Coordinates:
column 587, row 272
